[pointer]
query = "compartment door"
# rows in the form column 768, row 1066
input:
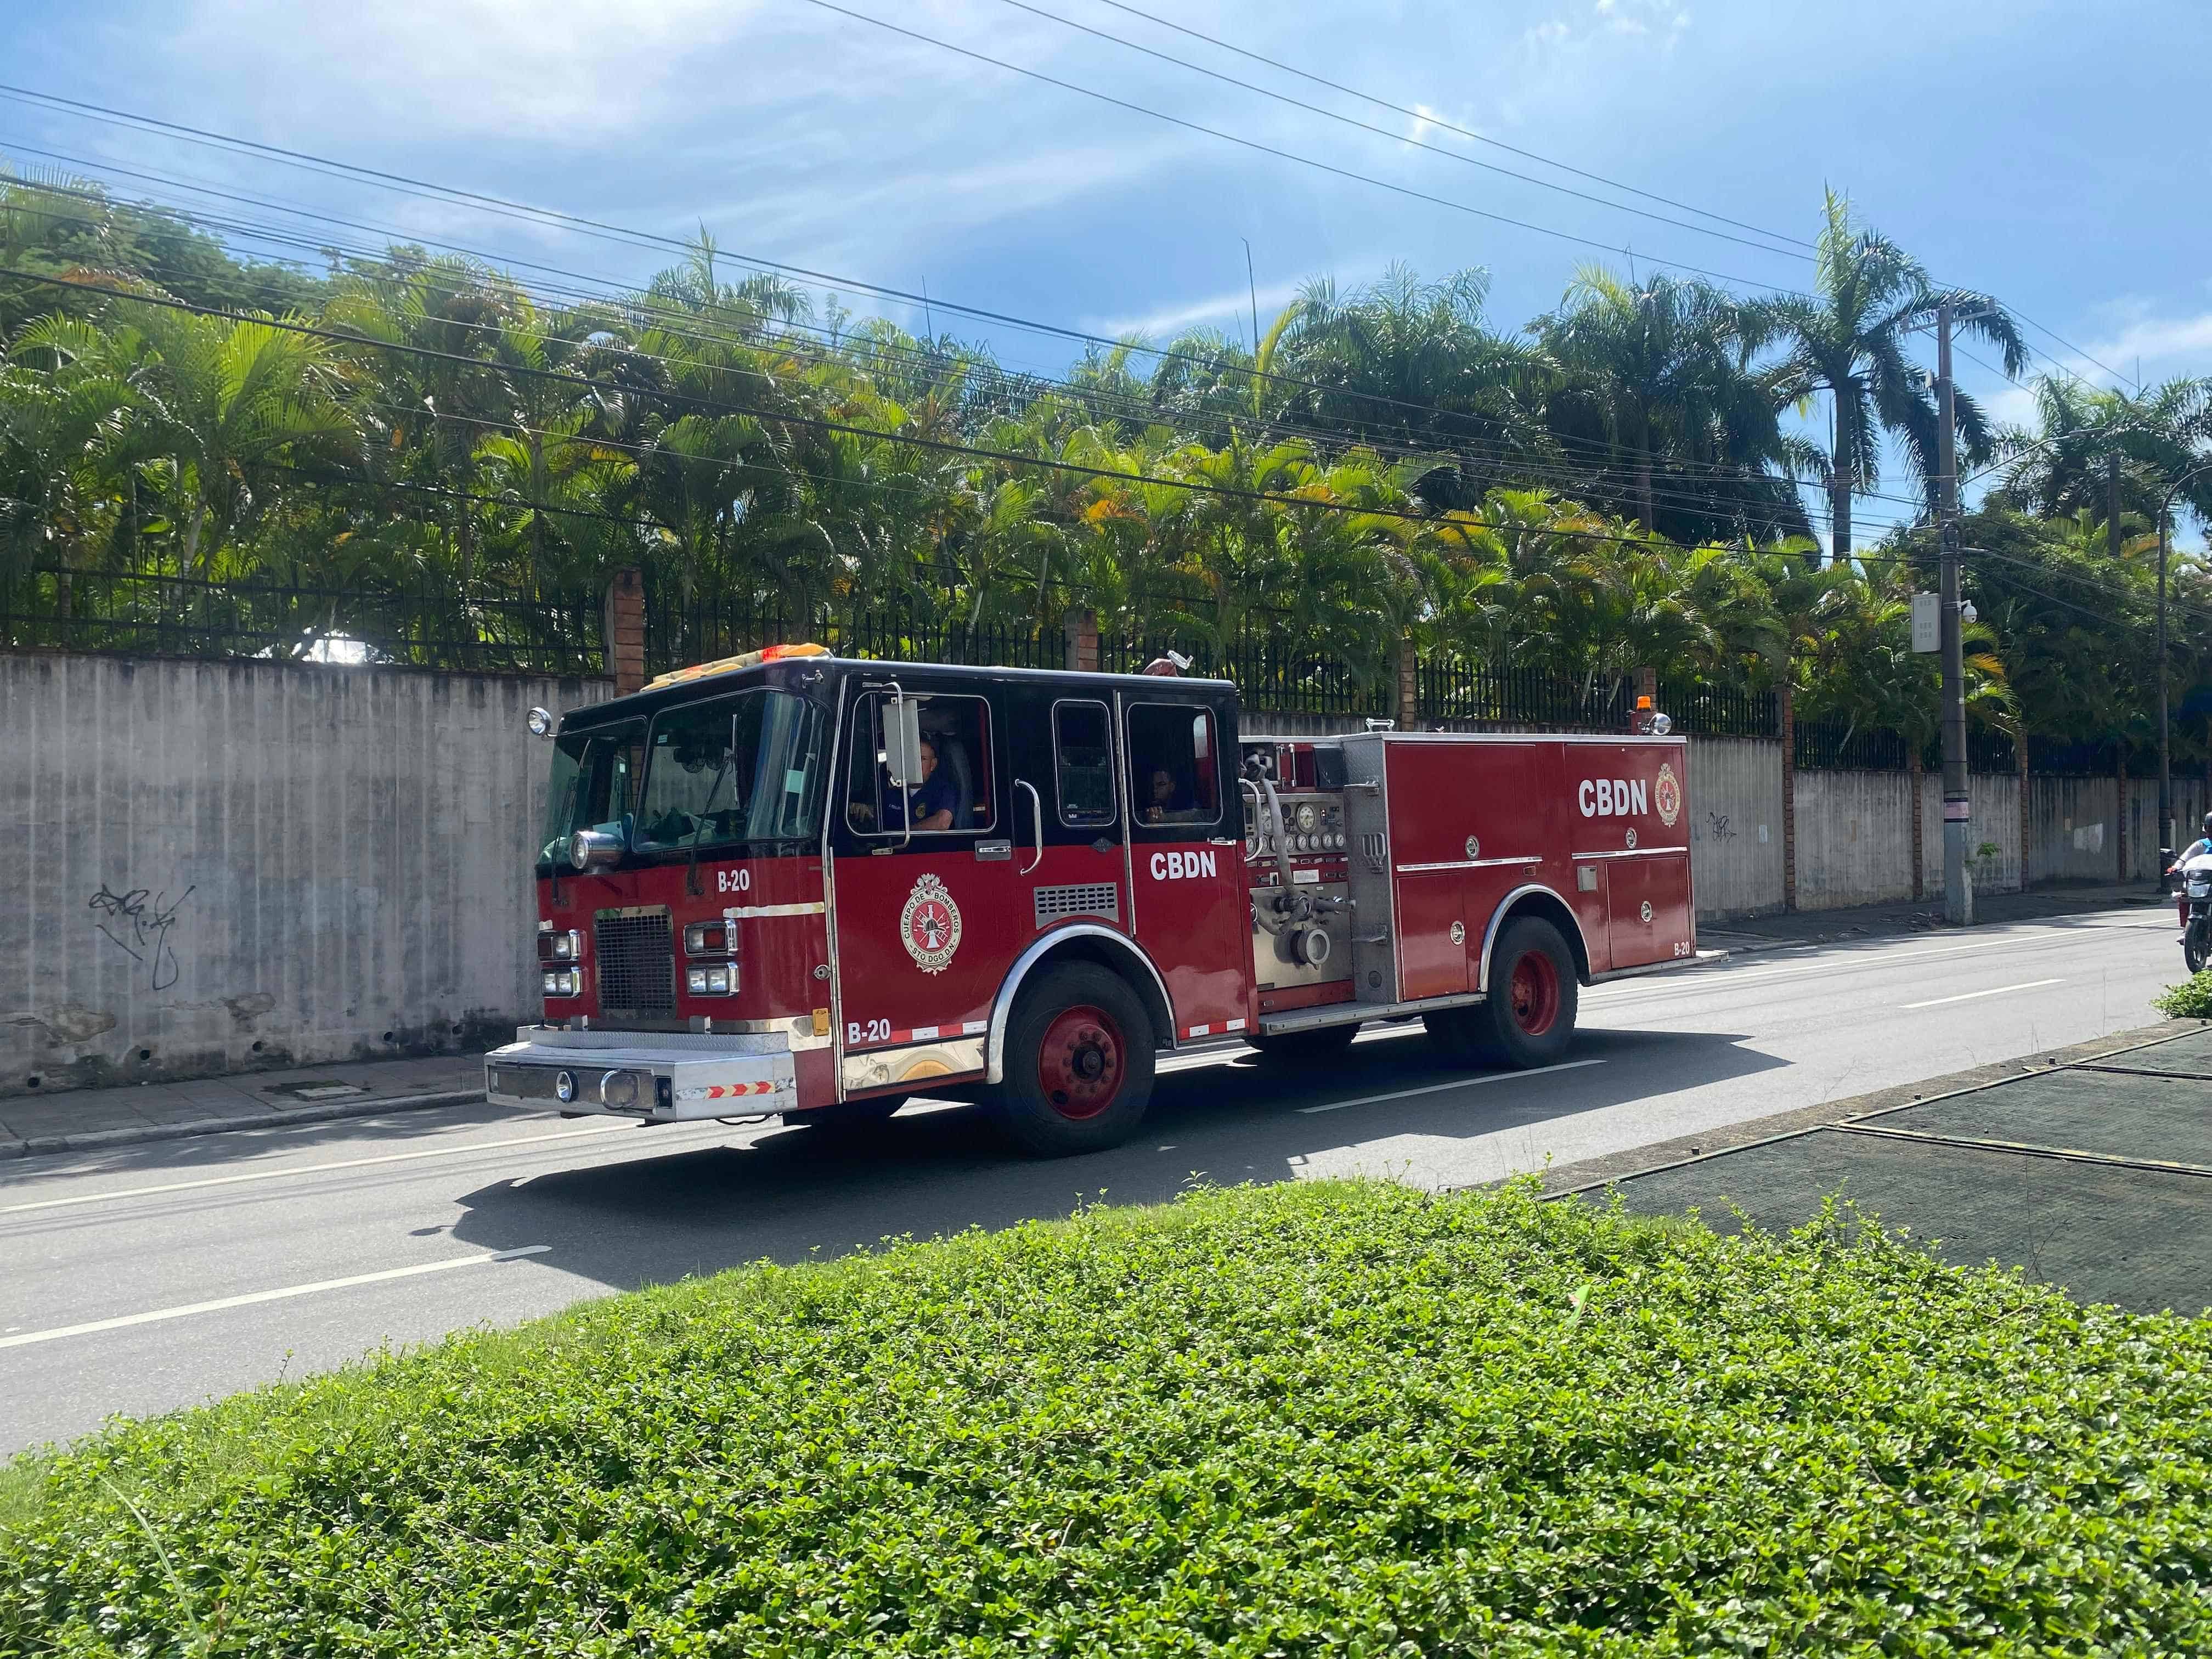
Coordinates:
column 1650, row 907
column 1432, row 935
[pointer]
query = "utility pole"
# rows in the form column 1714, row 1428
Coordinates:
column 1958, row 897
column 2168, row 838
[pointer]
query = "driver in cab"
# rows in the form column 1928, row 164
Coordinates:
column 930, row 803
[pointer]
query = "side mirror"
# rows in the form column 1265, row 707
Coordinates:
column 593, row 849
column 903, row 744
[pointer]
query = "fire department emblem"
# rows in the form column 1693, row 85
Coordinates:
column 1667, row 795
column 929, row 926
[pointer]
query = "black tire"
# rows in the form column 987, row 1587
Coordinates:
column 1322, row 1043
column 1078, row 1062
column 2196, row 943
column 849, row 1116
column 1528, row 1019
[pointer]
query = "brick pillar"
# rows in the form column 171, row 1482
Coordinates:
column 623, row 619
column 1409, row 686
column 1081, row 627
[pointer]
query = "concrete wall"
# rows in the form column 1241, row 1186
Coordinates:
column 1734, row 796
column 217, row 866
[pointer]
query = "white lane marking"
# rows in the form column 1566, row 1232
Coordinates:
column 279, row 1295
column 1463, row 1082
column 308, row 1170
column 1721, row 976
column 1968, row 996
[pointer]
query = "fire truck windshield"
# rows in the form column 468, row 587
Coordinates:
column 748, row 768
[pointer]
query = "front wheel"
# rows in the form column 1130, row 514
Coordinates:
column 1079, row 1069
column 2196, row 943
column 1528, row 1018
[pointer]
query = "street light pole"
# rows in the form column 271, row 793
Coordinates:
column 2165, row 734
column 1958, row 897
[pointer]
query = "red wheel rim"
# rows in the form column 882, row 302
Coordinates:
column 1081, row 1062
column 1534, row 993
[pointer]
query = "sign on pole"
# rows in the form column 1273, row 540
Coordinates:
column 1927, row 623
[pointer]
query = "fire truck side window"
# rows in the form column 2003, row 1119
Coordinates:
column 1083, row 752
column 1174, row 772
column 593, row 782
column 953, row 796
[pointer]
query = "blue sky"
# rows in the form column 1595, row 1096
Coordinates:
column 2053, row 154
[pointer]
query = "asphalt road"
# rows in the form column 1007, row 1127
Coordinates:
column 158, row 1276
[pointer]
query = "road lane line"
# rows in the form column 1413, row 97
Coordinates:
column 309, row 1168
column 279, row 1295
column 1463, row 1082
column 1968, row 996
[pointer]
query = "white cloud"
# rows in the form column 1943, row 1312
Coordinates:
column 2165, row 344
column 1229, row 304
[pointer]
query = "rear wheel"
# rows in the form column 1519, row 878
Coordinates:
column 1322, row 1043
column 1079, row 1067
column 1528, row 1016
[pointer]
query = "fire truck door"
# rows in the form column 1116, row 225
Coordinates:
column 923, row 850
column 1185, row 837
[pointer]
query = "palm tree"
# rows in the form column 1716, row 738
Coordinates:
column 232, row 402
column 1847, row 340
column 1659, row 373
column 2065, row 464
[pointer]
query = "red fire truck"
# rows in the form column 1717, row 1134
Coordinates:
column 790, row 882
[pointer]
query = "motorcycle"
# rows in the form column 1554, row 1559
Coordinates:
column 2196, row 898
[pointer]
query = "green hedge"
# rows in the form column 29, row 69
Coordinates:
column 1329, row 1419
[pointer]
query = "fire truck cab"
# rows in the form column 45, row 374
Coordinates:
column 789, row 882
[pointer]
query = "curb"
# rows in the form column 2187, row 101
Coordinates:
column 139, row 1134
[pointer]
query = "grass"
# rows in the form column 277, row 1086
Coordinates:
column 2190, row 1000
column 1330, row 1418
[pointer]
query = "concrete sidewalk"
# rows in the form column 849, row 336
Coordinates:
column 80, row 1120
column 1886, row 920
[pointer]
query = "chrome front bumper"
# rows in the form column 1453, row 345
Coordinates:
column 654, row 1076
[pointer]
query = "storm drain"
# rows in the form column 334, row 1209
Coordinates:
column 317, row 1091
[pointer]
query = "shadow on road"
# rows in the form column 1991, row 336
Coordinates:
column 789, row 1193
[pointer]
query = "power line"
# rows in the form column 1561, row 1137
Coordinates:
column 1463, row 449
column 1283, row 154
column 632, row 238
column 1443, row 125
column 823, row 424
column 1396, row 137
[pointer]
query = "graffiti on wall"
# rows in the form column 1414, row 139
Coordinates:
column 142, row 923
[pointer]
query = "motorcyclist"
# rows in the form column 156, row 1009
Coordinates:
column 2203, row 844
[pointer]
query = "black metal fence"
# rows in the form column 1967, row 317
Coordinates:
column 553, row 628
column 530, row 630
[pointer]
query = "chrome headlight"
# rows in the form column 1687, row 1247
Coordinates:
column 567, row 946
column 2200, row 889
column 709, row 939
column 563, row 983
column 716, row 980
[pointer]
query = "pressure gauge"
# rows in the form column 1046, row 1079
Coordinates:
column 1307, row 817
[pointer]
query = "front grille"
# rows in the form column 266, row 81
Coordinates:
column 1085, row 899
column 636, row 959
